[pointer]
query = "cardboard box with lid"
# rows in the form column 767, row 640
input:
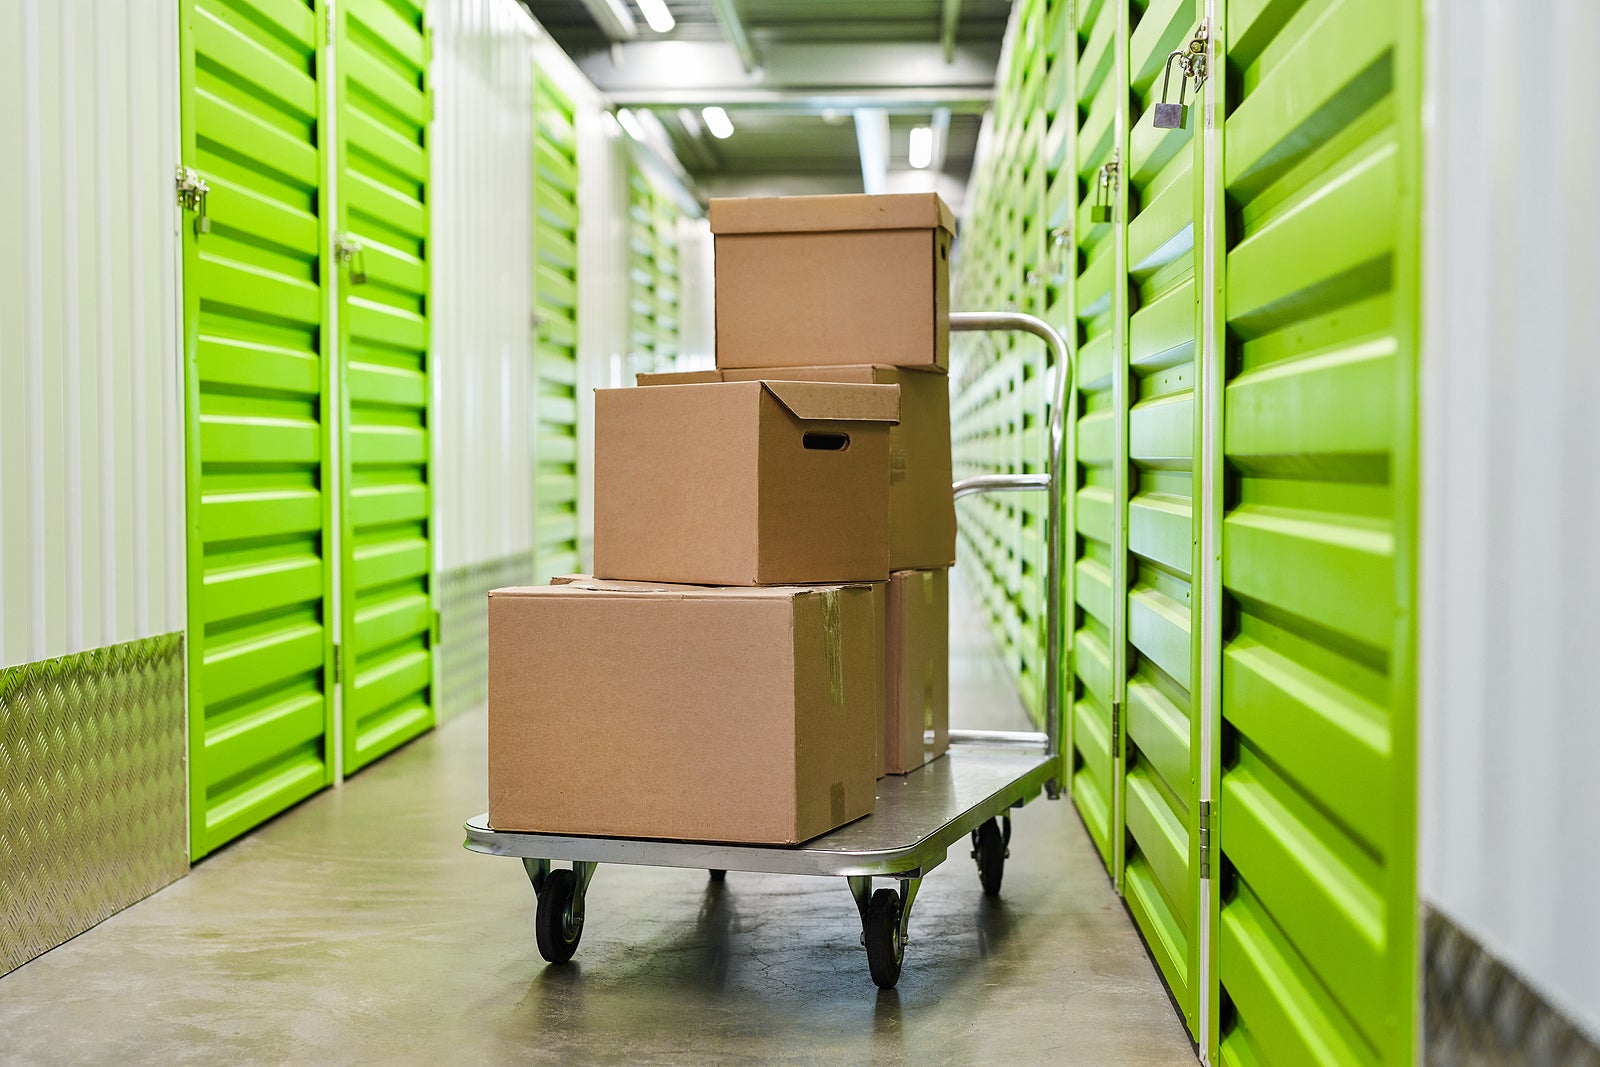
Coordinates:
column 922, row 515
column 743, row 483
column 639, row 709
column 804, row 280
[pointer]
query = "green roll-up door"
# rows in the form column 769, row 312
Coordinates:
column 1161, row 778
column 1316, row 818
column 1096, row 424
column 255, row 313
column 386, row 557
column 555, row 235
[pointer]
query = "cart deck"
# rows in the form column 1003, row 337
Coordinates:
column 968, row 792
column 917, row 818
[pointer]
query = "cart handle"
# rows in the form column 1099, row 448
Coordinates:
column 1050, row 482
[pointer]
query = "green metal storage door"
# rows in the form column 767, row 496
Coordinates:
column 1095, row 423
column 386, row 556
column 1161, row 779
column 260, row 650
column 555, row 235
column 1316, row 818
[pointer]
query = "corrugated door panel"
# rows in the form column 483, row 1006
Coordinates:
column 259, row 515
column 1161, row 780
column 1095, row 426
column 1316, row 806
column 386, row 561
column 555, row 238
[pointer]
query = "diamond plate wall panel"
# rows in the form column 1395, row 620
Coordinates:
column 1477, row 1012
column 463, row 654
column 92, row 811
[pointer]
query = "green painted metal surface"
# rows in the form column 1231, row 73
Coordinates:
column 1096, row 424
column 1316, row 947
column 1160, row 781
column 256, row 346
column 386, row 556
column 1302, row 332
column 555, row 235
column 998, row 398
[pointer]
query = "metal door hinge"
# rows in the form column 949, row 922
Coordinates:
column 327, row 14
column 338, row 665
column 1205, row 838
column 1116, row 728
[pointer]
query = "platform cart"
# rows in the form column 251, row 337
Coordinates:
column 966, row 794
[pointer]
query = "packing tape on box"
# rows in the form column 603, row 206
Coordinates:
column 927, row 587
column 833, row 644
column 897, row 466
column 927, row 697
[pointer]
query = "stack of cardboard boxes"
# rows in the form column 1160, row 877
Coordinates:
column 766, row 631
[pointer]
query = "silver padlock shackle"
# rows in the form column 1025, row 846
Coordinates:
column 1183, row 79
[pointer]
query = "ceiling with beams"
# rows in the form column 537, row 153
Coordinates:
column 793, row 94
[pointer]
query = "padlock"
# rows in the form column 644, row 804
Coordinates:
column 1173, row 116
column 202, row 221
column 1100, row 211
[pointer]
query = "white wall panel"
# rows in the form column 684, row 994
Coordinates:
column 91, row 462
column 483, row 335
column 1510, row 803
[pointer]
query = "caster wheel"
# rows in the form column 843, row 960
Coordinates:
column 885, row 949
column 718, row 875
column 559, row 921
column 989, row 849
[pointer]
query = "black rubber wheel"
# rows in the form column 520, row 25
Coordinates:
column 718, row 875
column 990, row 852
column 885, row 950
column 559, row 923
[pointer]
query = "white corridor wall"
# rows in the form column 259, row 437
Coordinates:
column 1510, row 804
column 483, row 326
column 91, row 413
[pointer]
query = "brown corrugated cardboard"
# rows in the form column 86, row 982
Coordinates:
column 743, row 483
column 721, row 714
column 917, row 665
column 803, row 280
column 922, row 514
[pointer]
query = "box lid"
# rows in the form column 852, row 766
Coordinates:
column 837, row 401
column 814, row 214
column 857, row 373
column 567, row 585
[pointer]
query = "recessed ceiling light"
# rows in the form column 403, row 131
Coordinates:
column 718, row 122
column 656, row 15
column 921, row 150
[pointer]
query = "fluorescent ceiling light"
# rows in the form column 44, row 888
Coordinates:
column 630, row 122
column 921, row 151
column 691, row 121
column 718, row 122
column 656, row 15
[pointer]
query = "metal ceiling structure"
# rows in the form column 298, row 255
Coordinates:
column 808, row 85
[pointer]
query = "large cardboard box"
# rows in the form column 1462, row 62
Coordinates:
column 743, row 483
column 916, row 725
column 641, row 710
column 802, row 280
column 922, row 513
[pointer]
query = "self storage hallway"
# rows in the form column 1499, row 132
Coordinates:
column 304, row 308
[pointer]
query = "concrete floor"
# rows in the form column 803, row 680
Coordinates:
column 356, row 929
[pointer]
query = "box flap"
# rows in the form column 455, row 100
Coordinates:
column 816, row 214
column 834, row 401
